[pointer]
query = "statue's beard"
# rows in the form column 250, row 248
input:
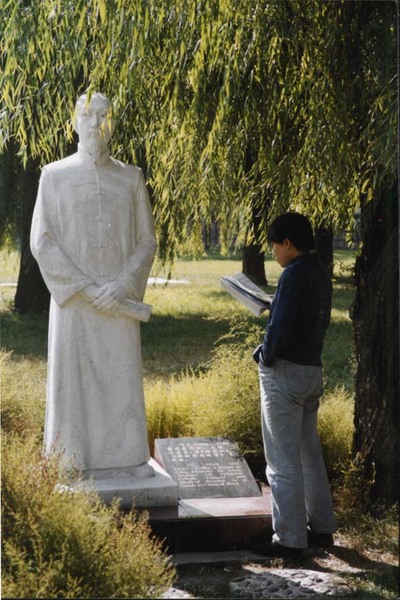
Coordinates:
column 95, row 147
column 95, row 143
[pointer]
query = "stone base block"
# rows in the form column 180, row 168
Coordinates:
column 213, row 524
column 159, row 490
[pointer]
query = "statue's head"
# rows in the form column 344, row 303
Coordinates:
column 93, row 122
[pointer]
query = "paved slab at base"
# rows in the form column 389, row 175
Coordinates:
column 216, row 558
column 160, row 490
column 272, row 583
column 289, row 583
column 173, row 593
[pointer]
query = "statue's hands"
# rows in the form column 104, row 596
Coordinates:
column 110, row 295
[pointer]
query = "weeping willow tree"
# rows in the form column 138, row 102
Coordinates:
column 236, row 111
column 225, row 105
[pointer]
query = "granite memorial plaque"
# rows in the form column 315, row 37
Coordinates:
column 206, row 467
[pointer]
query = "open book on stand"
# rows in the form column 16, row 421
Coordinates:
column 248, row 293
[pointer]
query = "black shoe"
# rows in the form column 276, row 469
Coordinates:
column 323, row 540
column 275, row 550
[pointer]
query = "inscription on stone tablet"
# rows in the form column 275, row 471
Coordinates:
column 206, row 467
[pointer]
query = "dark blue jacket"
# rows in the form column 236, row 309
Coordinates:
column 299, row 314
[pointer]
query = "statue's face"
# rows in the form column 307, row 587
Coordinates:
column 93, row 123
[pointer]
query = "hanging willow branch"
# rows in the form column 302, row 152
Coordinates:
column 198, row 86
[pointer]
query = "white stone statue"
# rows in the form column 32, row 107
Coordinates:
column 93, row 238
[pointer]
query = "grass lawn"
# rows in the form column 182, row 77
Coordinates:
column 206, row 311
column 189, row 318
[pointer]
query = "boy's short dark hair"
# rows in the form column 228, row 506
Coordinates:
column 295, row 227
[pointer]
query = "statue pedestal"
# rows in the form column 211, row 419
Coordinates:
column 221, row 506
column 158, row 490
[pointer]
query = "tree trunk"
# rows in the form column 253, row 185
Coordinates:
column 32, row 295
column 253, row 263
column 253, row 255
column 375, row 315
column 324, row 246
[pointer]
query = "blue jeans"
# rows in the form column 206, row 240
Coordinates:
column 296, row 473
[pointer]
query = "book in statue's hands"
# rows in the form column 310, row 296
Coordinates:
column 135, row 310
column 248, row 293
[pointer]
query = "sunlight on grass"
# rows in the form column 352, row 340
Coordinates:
column 23, row 384
column 222, row 400
column 9, row 269
column 9, row 265
column 335, row 426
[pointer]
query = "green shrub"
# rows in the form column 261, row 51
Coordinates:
column 169, row 407
column 336, row 427
column 70, row 545
column 367, row 522
column 227, row 399
column 220, row 400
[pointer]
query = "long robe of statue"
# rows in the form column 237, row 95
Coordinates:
column 93, row 224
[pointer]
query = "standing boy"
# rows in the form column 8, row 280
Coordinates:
column 290, row 368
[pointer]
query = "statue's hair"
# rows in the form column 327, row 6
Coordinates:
column 81, row 102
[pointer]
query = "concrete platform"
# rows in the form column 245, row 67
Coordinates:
column 212, row 524
column 160, row 490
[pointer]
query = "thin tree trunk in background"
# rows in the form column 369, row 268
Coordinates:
column 253, row 263
column 32, row 295
column 253, row 256
column 375, row 315
column 324, row 246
